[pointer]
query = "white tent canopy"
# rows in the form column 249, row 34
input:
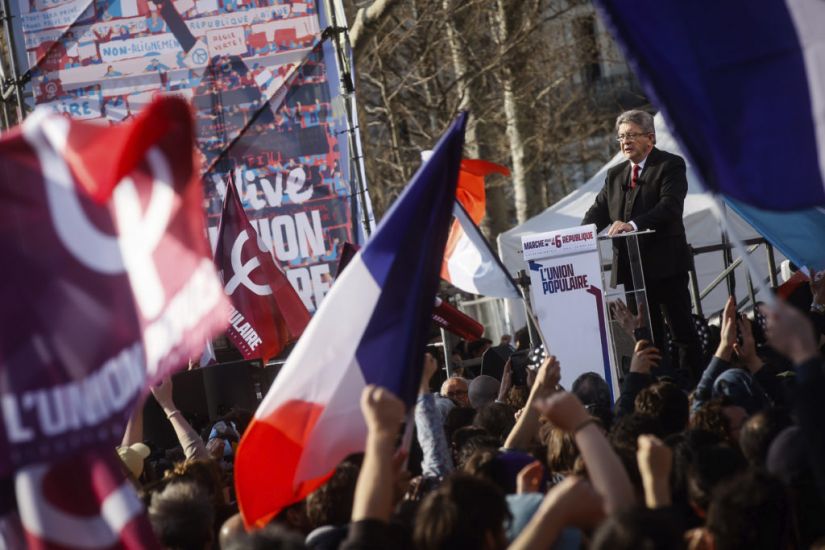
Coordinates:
column 701, row 227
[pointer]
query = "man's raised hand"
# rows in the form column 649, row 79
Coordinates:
column 549, row 375
column 430, row 367
column 645, row 357
column 564, row 410
column 727, row 336
column 655, row 460
column 383, row 411
column 747, row 351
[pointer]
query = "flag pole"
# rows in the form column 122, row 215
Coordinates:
column 718, row 207
column 528, row 308
column 18, row 82
column 339, row 34
column 446, row 353
column 406, row 439
column 532, row 322
column 521, row 286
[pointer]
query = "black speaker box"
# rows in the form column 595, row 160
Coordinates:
column 206, row 394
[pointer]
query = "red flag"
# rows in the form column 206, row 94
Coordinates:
column 106, row 289
column 99, row 164
column 268, row 313
column 82, row 502
column 470, row 191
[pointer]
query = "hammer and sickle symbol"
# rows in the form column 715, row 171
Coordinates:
column 242, row 270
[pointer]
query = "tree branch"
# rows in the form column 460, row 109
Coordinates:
column 365, row 19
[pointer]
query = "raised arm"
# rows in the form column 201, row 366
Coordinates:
column 437, row 461
column 792, row 334
column 188, row 438
column 134, row 428
column 527, row 425
column 655, row 461
column 384, row 414
column 571, row 503
column 639, row 377
column 721, row 358
column 607, row 474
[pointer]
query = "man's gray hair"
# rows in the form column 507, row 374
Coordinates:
column 444, row 384
column 642, row 119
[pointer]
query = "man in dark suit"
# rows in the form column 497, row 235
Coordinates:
column 648, row 191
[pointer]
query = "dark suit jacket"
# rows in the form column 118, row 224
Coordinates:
column 656, row 203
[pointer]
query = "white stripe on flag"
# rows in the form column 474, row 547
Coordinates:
column 49, row 522
column 472, row 266
column 326, row 351
column 342, row 414
column 809, row 19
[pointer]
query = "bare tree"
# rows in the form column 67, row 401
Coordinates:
column 366, row 19
column 471, row 95
column 528, row 190
column 535, row 75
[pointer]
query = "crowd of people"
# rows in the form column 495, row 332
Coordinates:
column 735, row 460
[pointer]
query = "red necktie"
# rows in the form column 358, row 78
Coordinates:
column 635, row 177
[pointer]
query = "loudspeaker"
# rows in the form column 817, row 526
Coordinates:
column 205, row 395
column 228, row 386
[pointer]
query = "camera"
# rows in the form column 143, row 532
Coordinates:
column 492, row 364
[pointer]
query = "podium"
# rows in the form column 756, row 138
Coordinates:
column 572, row 301
column 633, row 299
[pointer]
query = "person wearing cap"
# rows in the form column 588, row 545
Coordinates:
column 133, row 452
column 133, row 457
column 483, row 390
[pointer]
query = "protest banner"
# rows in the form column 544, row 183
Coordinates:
column 109, row 287
column 568, row 299
column 265, row 91
column 109, row 282
column 267, row 313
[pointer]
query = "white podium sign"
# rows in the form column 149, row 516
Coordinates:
column 567, row 295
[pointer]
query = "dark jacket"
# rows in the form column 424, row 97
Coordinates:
column 656, row 203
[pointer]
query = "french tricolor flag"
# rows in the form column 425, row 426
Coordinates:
column 471, row 265
column 469, row 262
column 370, row 329
column 742, row 84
